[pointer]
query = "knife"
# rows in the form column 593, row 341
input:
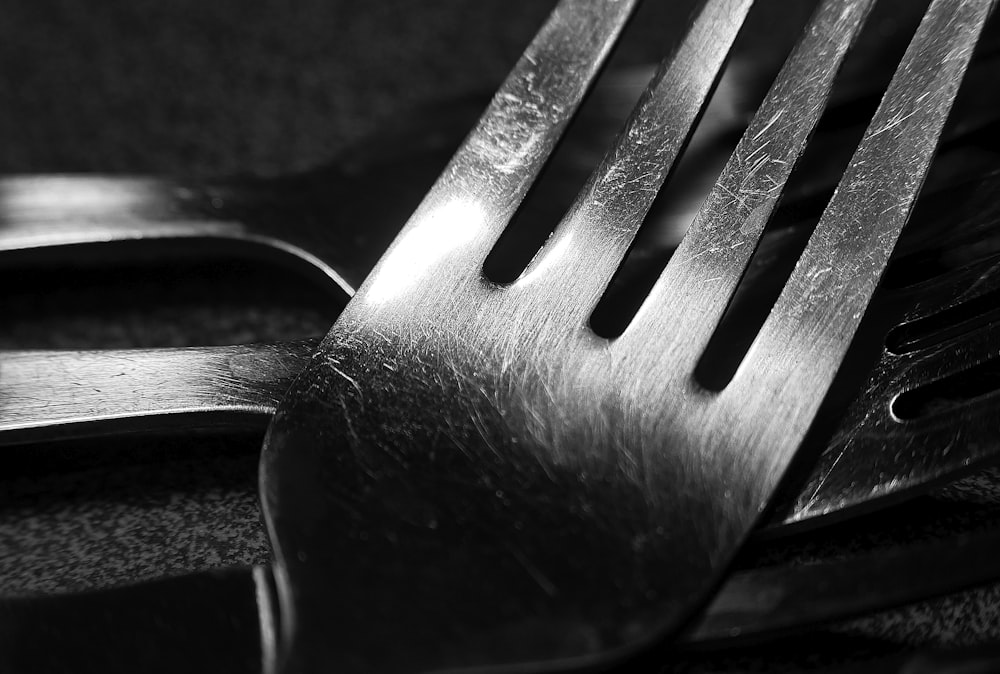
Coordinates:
column 227, row 619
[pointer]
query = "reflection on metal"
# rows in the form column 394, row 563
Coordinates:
column 149, row 389
column 478, row 451
column 452, row 226
column 118, row 391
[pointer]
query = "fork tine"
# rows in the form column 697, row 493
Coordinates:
column 590, row 242
column 720, row 242
column 484, row 183
column 542, row 499
column 803, row 340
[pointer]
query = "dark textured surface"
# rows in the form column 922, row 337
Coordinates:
column 208, row 88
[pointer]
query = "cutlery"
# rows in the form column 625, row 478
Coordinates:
column 263, row 582
column 147, row 390
column 334, row 222
column 52, row 394
column 215, row 621
column 362, row 296
column 465, row 471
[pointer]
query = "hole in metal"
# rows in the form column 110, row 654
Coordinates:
column 809, row 188
column 949, row 392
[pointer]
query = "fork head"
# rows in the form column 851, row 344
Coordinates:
column 931, row 395
column 466, row 476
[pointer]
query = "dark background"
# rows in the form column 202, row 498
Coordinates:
column 216, row 87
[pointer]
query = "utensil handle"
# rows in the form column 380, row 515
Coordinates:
column 226, row 620
column 46, row 218
column 46, row 395
column 218, row 621
column 770, row 601
column 63, row 210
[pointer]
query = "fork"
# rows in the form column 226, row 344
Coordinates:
column 116, row 391
column 486, row 482
column 313, row 218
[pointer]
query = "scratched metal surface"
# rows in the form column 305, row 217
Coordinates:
column 93, row 515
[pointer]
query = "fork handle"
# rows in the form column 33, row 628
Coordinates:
column 213, row 621
column 226, row 619
column 64, row 210
column 46, row 217
column 46, row 395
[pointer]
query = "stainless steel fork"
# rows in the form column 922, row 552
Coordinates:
column 466, row 472
column 873, row 456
